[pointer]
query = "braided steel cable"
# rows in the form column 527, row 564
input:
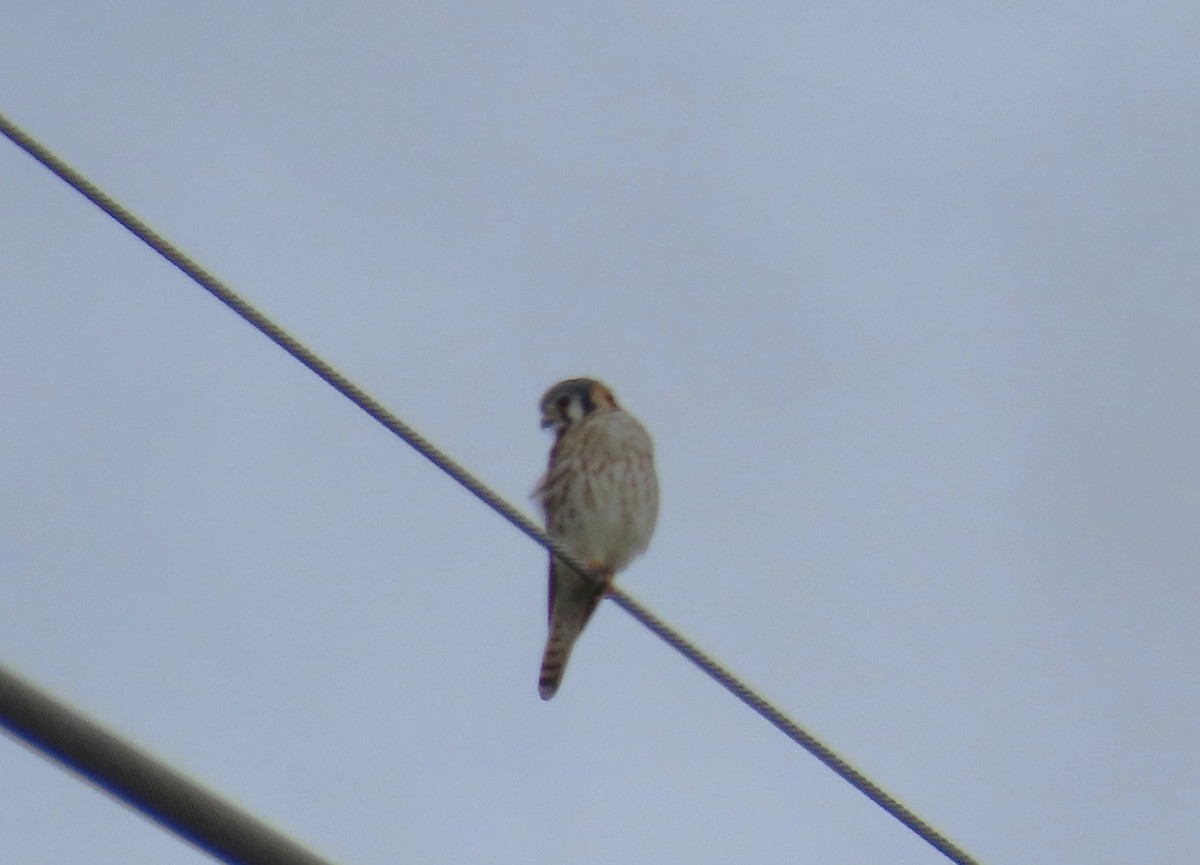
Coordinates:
column 794, row 731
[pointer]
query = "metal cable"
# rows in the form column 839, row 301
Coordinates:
column 476, row 487
column 141, row 781
column 792, row 730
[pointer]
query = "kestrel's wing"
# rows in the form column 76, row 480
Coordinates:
column 539, row 495
column 539, row 490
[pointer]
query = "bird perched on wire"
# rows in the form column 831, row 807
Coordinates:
column 600, row 498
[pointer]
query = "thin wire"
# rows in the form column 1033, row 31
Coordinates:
column 477, row 488
column 141, row 781
column 793, row 731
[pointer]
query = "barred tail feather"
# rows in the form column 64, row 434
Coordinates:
column 554, row 660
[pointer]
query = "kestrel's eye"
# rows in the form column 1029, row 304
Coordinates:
column 562, row 403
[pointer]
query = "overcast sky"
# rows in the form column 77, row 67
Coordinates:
column 908, row 295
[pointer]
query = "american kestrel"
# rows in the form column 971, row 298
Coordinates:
column 600, row 498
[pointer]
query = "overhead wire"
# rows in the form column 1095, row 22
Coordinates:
column 141, row 781
column 445, row 463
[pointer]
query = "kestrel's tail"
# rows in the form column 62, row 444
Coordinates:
column 567, row 620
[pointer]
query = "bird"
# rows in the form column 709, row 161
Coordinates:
column 599, row 496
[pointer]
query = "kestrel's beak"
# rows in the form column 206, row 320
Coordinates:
column 547, row 422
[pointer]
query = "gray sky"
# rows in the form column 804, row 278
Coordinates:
column 906, row 295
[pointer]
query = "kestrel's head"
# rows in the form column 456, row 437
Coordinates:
column 572, row 400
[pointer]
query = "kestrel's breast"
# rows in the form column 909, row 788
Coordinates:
column 600, row 494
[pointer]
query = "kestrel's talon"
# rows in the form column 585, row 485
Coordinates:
column 597, row 571
column 600, row 498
